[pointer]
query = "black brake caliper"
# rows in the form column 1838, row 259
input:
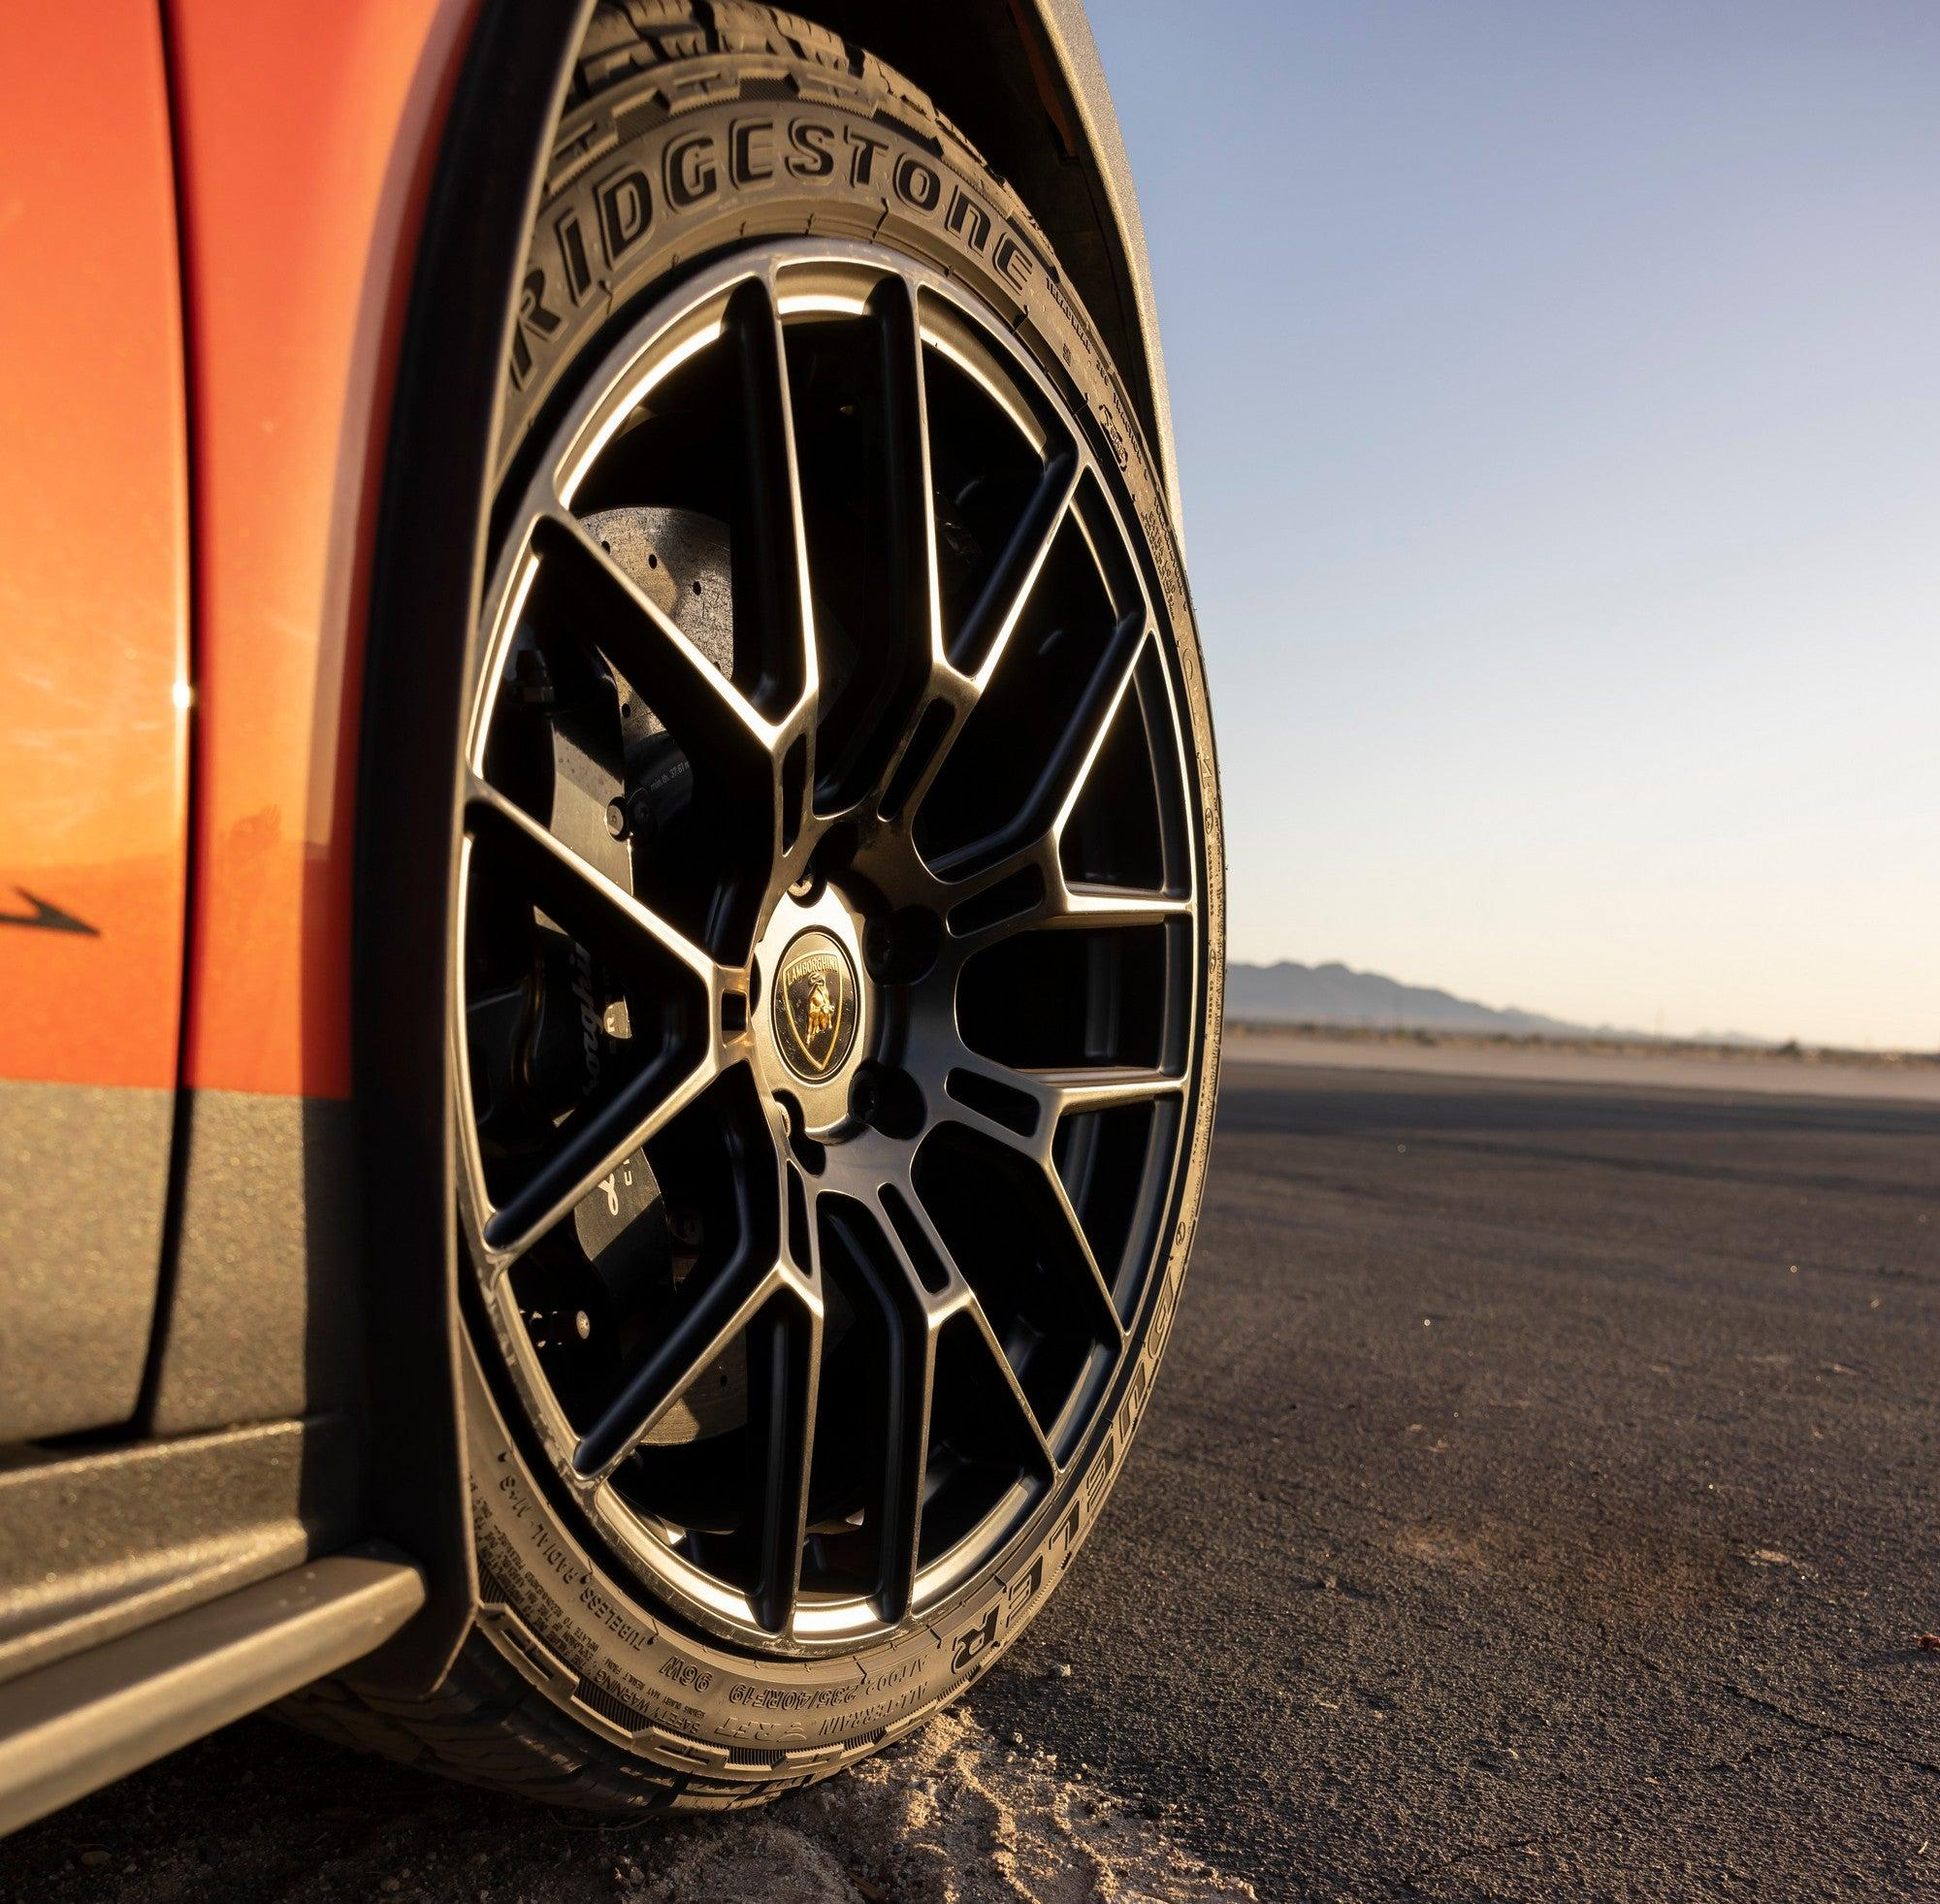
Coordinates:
column 560, row 1041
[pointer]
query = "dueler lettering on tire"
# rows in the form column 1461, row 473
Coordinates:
column 837, row 983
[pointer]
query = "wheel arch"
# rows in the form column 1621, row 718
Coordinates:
column 427, row 574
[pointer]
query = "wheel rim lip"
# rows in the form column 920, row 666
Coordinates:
column 689, row 314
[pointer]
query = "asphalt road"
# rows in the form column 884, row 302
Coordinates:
column 1545, row 1502
column 1540, row 1499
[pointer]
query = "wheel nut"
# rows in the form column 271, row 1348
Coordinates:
column 532, row 683
column 633, row 817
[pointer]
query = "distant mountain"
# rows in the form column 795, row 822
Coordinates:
column 1288, row 993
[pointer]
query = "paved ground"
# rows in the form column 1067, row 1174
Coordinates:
column 1545, row 1502
column 1541, row 1061
column 1541, row 1499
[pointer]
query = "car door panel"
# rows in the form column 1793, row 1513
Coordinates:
column 95, row 690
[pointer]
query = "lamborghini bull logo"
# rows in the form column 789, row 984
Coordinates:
column 821, row 1011
column 816, row 1007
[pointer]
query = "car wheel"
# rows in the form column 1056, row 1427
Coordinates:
column 834, row 994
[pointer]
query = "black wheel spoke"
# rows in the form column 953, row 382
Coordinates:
column 1011, row 1390
column 937, row 710
column 781, row 669
column 1048, row 806
column 906, row 431
column 1053, row 1094
column 1030, row 894
column 591, row 1155
column 783, row 1357
column 706, row 1324
column 931, row 1289
column 1088, row 905
column 905, row 1459
column 988, row 628
column 1097, row 1290
column 954, row 690
column 1101, row 1087
column 703, row 710
column 565, row 885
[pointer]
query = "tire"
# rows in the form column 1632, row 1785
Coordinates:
column 603, row 1673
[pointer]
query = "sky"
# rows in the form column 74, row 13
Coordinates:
column 1557, row 396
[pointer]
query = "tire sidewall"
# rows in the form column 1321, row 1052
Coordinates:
column 641, row 195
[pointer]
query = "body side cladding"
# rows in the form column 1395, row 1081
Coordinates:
column 151, row 1529
column 75, row 1726
column 86, row 1167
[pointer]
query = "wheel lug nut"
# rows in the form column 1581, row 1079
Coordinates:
column 887, row 1099
column 632, row 817
column 532, row 683
column 900, row 949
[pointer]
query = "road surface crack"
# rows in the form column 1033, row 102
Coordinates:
column 1820, row 1728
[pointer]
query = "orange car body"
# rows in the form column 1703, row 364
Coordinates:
column 219, row 315
column 94, row 672
column 295, row 243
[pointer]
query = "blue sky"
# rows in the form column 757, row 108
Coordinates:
column 1557, row 391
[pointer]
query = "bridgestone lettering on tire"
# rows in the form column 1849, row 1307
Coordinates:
column 836, row 993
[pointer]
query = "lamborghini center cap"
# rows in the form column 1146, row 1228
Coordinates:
column 815, row 1005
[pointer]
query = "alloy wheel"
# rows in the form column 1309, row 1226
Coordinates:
column 831, row 954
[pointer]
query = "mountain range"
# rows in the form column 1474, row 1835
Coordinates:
column 1290, row 993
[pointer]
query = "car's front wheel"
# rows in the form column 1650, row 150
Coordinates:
column 834, row 996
